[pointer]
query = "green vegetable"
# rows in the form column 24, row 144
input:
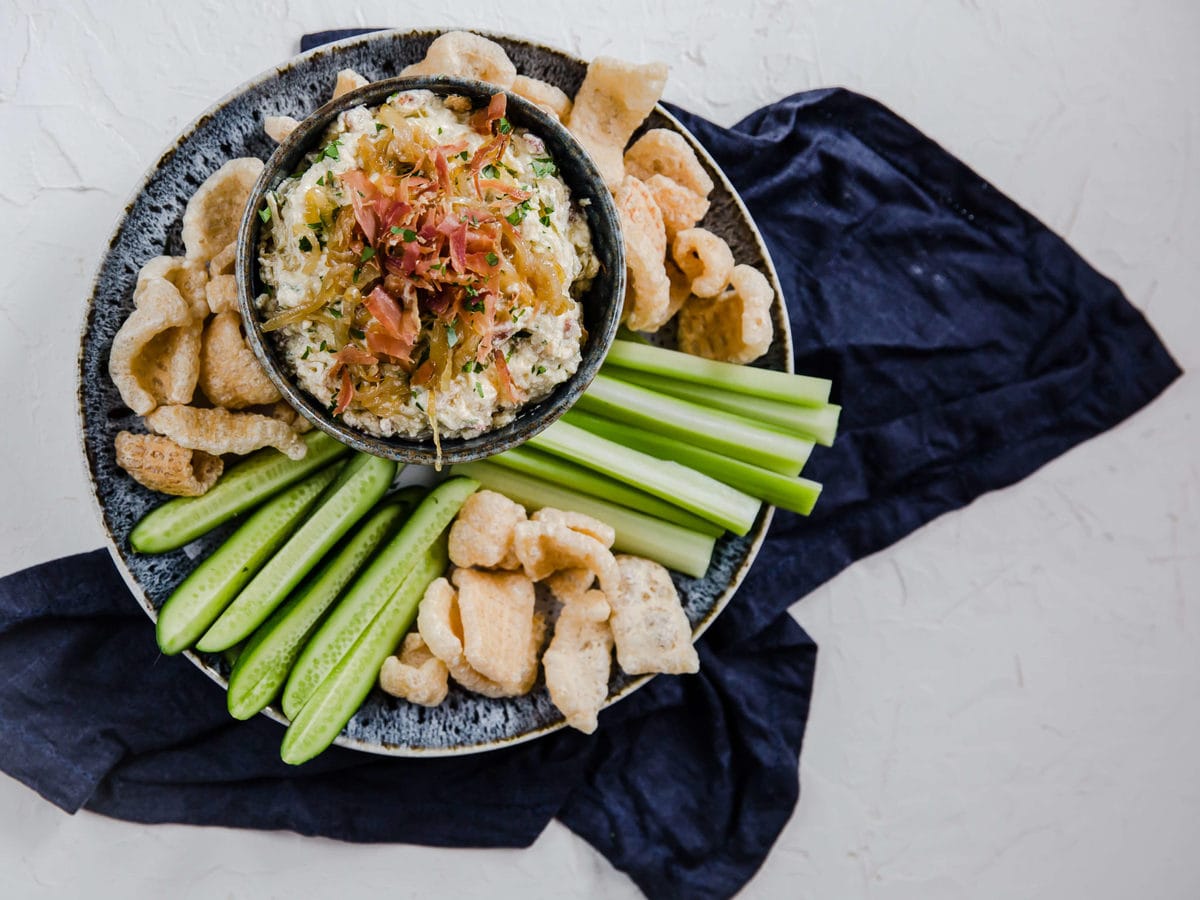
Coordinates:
column 639, row 356
column 797, row 494
column 268, row 471
column 694, row 491
column 197, row 602
column 370, row 591
column 362, row 483
column 687, row 422
column 264, row 663
column 565, row 474
column 817, row 423
column 665, row 542
column 339, row 696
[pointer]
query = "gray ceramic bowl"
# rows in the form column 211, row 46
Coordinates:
column 601, row 303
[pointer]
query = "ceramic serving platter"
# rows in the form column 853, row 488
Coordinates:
column 150, row 226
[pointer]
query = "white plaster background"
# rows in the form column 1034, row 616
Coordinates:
column 1007, row 702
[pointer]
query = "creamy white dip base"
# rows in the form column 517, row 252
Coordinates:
column 545, row 349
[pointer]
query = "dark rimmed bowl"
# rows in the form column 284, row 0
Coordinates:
column 601, row 304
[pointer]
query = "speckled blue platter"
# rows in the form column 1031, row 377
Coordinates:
column 151, row 226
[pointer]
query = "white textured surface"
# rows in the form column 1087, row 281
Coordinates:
column 1006, row 701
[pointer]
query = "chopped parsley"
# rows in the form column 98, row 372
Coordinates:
column 544, row 218
column 324, row 346
column 517, row 313
column 464, row 156
column 451, row 334
column 379, row 126
column 335, row 312
column 503, row 125
column 307, row 350
column 305, row 244
column 357, row 334
column 475, row 306
column 515, row 217
column 367, row 253
column 405, row 233
column 492, row 258
column 490, row 171
column 539, row 370
column 315, row 226
column 331, row 149
column 543, row 166
column 479, row 389
column 471, row 290
column 265, row 214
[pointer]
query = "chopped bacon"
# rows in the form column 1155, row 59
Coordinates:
column 345, row 395
column 351, row 355
column 503, row 187
column 443, row 169
column 423, row 375
column 386, row 311
column 508, row 391
column 483, row 119
column 383, row 344
column 362, row 195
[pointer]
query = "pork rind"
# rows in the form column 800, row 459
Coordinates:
column 650, row 629
column 283, row 411
column 647, row 290
column 681, row 288
column 579, row 660
column 612, row 102
column 705, row 259
column 218, row 431
column 680, row 207
column 661, row 151
column 223, row 263
column 230, row 374
column 415, row 674
column 155, row 355
column 280, row 128
column 735, row 326
column 347, row 80
column 576, row 521
column 440, row 624
column 482, row 535
column 162, row 465
column 547, row 547
column 496, row 611
column 466, row 55
column 186, row 275
column 222, row 294
column 568, row 585
column 210, row 222
column 547, row 96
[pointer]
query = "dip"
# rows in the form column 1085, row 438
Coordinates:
column 422, row 269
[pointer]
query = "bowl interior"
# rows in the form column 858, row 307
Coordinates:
column 601, row 303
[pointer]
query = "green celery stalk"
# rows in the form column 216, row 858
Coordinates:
column 691, row 423
column 559, row 471
column 672, row 545
column 796, row 494
column 694, row 491
column 817, row 423
column 802, row 390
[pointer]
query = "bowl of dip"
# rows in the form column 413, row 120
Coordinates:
column 430, row 269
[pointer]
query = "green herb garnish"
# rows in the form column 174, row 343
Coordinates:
column 503, row 125
column 305, row 244
column 543, row 166
column 451, row 334
column 367, row 253
column 265, row 214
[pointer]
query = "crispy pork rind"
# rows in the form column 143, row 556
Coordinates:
column 155, row 355
column 218, row 431
column 221, row 294
column 466, row 55
column 612, row 102
column 230, row 374
column 162, row 465
column 496, row 611
column 186, row 275
column 482, row 535
column 680, row 207
column 705, row 259
column 440, row 625
column 223, row 262
column 661, row 151
column 347, row 80
column 547, row 547
column 650, row 629
column 579, row 660
column 568, row 585
column 279, row 128
column 284, row 412
column 415, row 674
column 647, row 290
column 735, row 326
column 681, row 288
column 576, row 521
column 210, row 222
column 547, row 96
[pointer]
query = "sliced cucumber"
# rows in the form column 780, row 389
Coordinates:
column 340, row 695
column 361, row 484
column 266, row 472
column 264, row 663
column 210, row 587
column 371, row 590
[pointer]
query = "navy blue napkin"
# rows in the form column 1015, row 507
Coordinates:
column 968, row 344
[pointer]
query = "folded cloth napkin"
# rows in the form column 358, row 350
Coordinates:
column 968, row 344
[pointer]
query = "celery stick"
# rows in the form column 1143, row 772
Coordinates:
column 817, row 423
column 797, row 494
column 802, row 390
column 664, row 542
column 691, row 423
column 694, row 491
column 558, row 471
